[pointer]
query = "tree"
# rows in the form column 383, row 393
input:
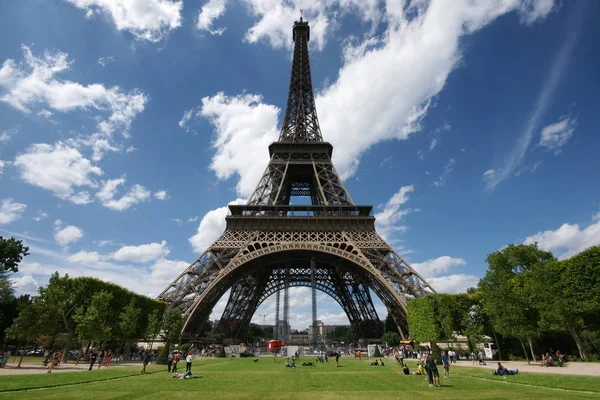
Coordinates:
column 129, row 320
column 423, row 322
column 391, row 338
column 565, row 293
column 91, row 320
column 28, row 325
column 153, row 327
column 509, row 303
column 12, row 252
column 255, row 333
column 61, row 299
column 172, row 324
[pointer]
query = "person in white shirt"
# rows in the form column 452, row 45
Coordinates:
column 188, row 363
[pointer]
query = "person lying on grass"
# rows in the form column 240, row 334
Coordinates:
column 187, row 375
column 504, row 371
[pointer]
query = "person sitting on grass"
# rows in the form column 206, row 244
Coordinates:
column 381, row 362
column 187, row 375
column 405, row 370
column 307, row 364
column 504, row 371
column 290, row 363
column 420, row 369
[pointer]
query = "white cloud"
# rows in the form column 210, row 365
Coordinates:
column 25, row 285
column 545, row 97
column 45, row 113
column 458, row 283
column 211, row 227
column 67, row 235
column 324, row 16
column 10, row 210
column 244, row 128
column 33, row 84
column 555, row 136
column 103, row 243
column 40, row 216
column 167, row 270
column 448, row 168
column 146, row 19
column 130, row 149
column 8, row 134
column 136, row 194
column 387, row 220
column 421, row 43
column 193, row 219
column 161, row 195
column 2, row 164
column 59, row 168
column 104, row 61
column 178, row 221
column 142, row 253
column 568, row 240
column 435, row 266
column 85, row 257
column 596, row 217
column 147, row 280
column 210, row 11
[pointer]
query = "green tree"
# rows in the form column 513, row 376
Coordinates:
column 566, row 294
column 12, row 252
column 509, row 302
column 60, row 300
column 255, row 333
column 153, row 327
column 391, row 338
column 172, row 324
column 424, row 323
column 129, row 320
column 28, row 325
column 91, row 320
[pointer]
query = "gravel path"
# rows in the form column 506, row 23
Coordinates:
column 575, row 368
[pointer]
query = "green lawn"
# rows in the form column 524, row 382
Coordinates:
column 243, row 379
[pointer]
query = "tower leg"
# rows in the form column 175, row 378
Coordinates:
column 276, row 332
column 313, row 285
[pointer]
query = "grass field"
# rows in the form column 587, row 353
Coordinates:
column 243, row 379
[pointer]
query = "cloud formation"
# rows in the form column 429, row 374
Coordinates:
column 65, row 235
column 148, row 20
column 10, row 210
column 554, row 136
column 567, row 240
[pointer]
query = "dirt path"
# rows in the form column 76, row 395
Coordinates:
column 11, row 369
column 575, row 368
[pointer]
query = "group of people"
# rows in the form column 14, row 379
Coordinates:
column 102, row 357
column 549, row 361
column 173, row 359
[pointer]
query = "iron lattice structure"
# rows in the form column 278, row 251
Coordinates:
column 270, row 245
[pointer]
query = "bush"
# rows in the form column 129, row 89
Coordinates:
column 221, row 352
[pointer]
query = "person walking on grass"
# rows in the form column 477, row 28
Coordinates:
column 446, row 364
column 93, row 358
column 170, row 359
column 146, row 360
column 188, row 363
column 55, row 360
column 176, row 358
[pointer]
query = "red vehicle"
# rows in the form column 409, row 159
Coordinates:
column 274, row 345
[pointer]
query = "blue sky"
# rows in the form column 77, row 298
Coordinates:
column 127, row 127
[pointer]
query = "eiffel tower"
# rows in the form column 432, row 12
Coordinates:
column 270, row 244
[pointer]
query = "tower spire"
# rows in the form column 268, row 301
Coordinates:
column 300, row 123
